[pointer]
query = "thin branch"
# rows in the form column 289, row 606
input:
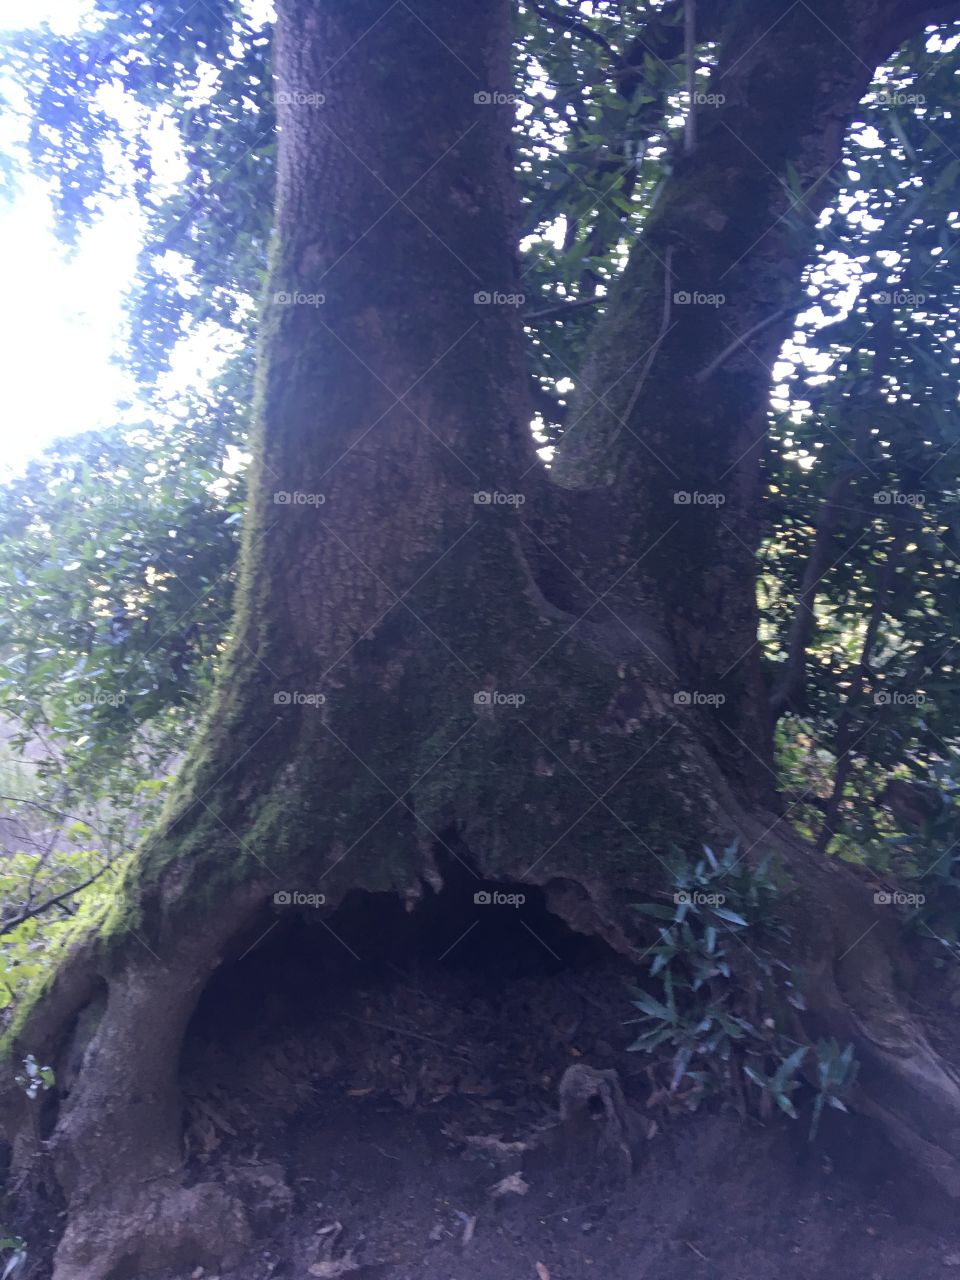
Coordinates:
column 28, row 912
column 792, row 676
column 690, row 57
column 570, row 23
column 792, row 673
column 551, row 313
column 847, row 718
column 40, row 865
column 740, row 341
column 60, row 815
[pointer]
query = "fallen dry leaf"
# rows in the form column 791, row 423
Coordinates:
column 542, row 1271
column 494, row 1146
column 513, row 1184
column 329, row 1270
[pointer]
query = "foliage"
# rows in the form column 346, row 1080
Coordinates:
column 117, row 558
column 863, row 464
column 837, row 1071
column 928, row 858
column 117, row 552
column 34, row 1078
column 42, row 890
column 17, row 1248
column 725, row 1003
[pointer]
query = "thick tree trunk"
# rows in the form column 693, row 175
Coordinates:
column 672, row 406
column 416, row 671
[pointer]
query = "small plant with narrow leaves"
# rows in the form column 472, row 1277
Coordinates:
column 725, row 1006
column 834, row 1073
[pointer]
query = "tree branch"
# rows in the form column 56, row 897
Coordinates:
column 28, row 912
column 552, row 313
column 570, row 23
column 739, row 341
column 690, row 58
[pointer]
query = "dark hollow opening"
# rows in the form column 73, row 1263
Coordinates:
column 297, row 956
column 479, row 986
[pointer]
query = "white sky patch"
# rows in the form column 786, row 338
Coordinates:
column 195, row 361
column 62, row 323
column 63, row 16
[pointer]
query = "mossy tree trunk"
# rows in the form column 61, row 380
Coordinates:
column 671, row 411
column 418, row 673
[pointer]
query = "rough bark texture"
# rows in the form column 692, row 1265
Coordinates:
column 673, row 400
column 369, row 711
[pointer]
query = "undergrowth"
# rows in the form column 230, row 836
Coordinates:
column 719, row 1015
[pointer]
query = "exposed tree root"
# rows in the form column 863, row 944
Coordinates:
column 851, row 947
column 167, row 1226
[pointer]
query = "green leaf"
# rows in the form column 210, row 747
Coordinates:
column 653, row 1008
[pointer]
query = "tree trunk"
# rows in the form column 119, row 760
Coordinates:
column 434, row 656
column 671, row 410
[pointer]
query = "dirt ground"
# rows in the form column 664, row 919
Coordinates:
column 711, row 1201
column 368, row 1094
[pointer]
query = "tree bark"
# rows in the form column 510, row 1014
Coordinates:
column 671, row 408
column 419, row 672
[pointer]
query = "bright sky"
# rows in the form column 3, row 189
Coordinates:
column 63, row 316
column 61, row 324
